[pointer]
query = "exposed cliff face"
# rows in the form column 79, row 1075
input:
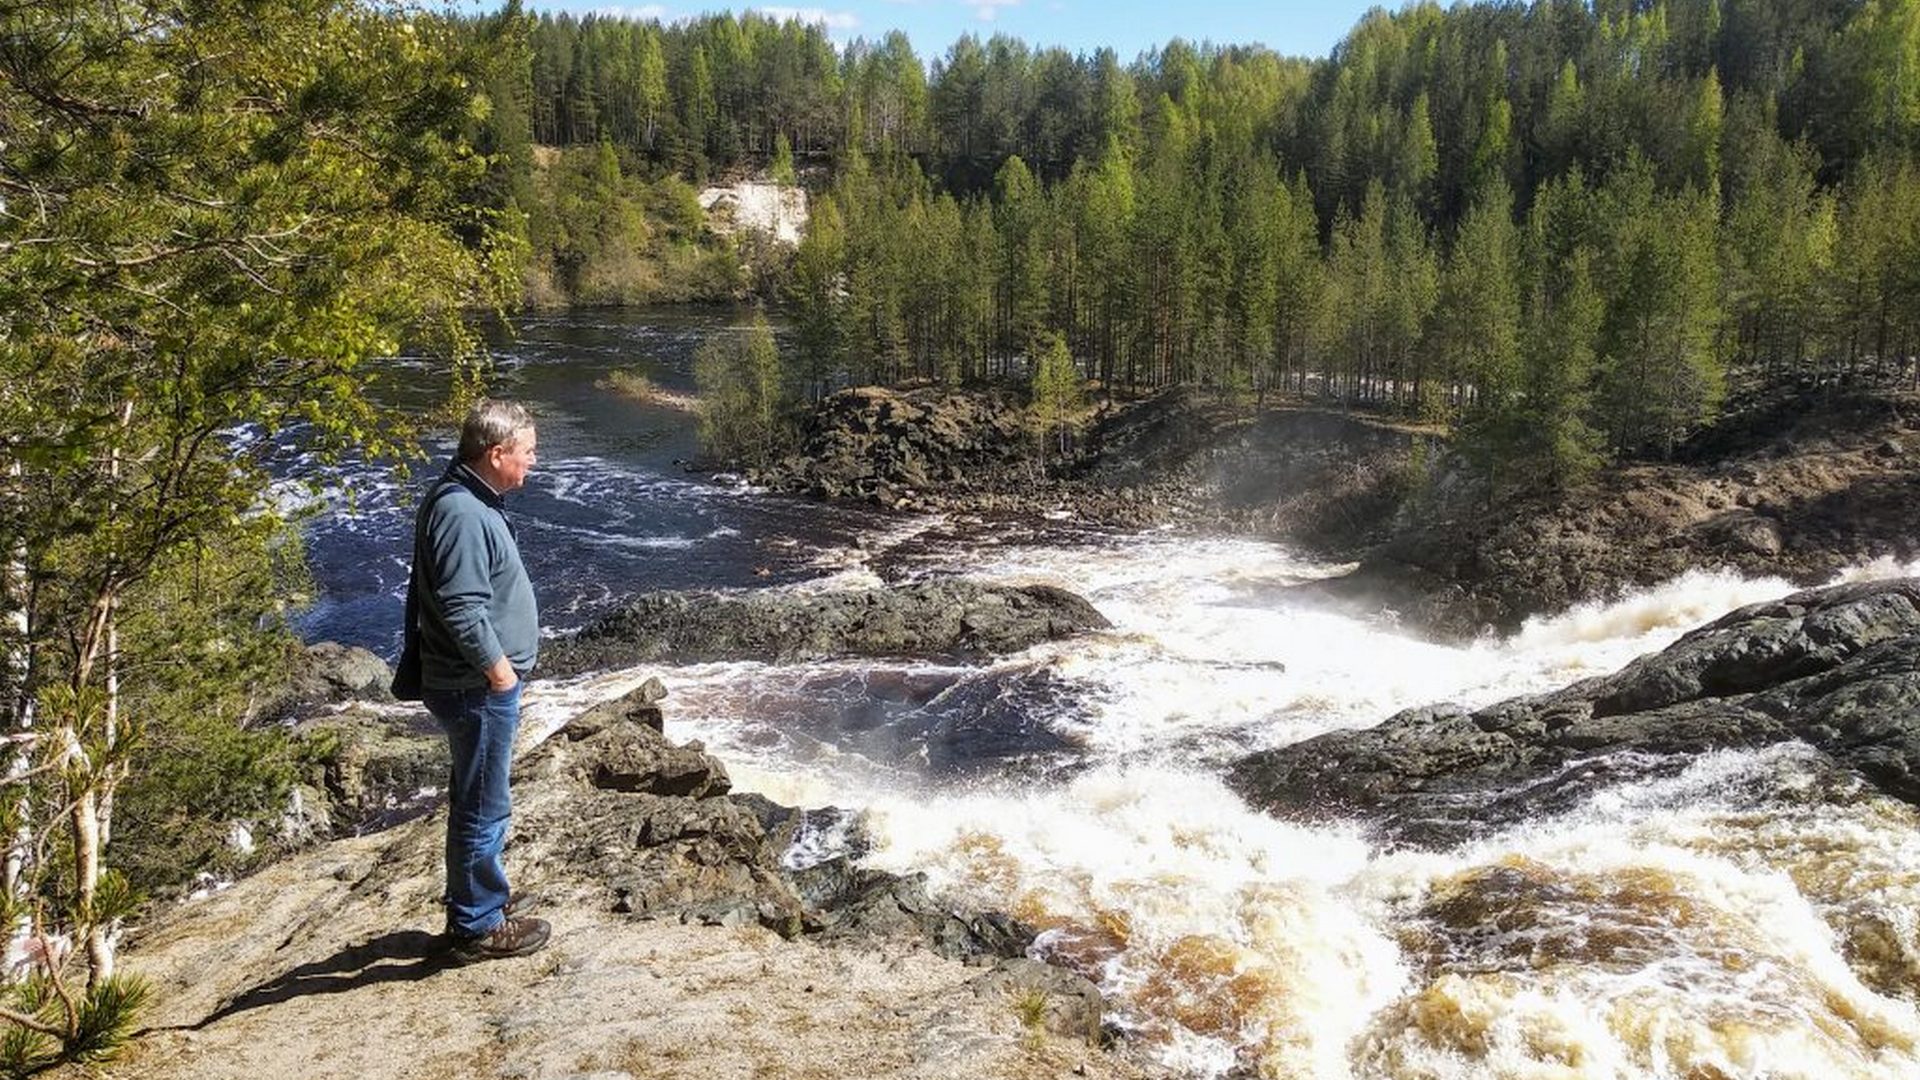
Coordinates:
column 1838, row 668
column 683, row 947
column 775, row 210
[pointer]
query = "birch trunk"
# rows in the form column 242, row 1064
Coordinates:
column 16, row 595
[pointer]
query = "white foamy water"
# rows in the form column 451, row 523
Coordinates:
column 1752, row 916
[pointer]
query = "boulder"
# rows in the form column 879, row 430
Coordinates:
column 1837, row 667
column 845, row 900
column 610, row 799
column 328, row 673
column 377, row 767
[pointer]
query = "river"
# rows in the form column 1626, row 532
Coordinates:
column 1753, row 915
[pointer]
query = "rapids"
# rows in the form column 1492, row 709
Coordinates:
column 1752, row 915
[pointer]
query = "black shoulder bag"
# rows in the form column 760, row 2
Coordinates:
column 406, row 671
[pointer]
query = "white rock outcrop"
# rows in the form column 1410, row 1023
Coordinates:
column 778, row 210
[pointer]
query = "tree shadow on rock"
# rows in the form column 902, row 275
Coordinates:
column 399, row 956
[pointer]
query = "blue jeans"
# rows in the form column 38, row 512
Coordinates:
column 480, row 725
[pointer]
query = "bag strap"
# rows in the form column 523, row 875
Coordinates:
column 410, row 632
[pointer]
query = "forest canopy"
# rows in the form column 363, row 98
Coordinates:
column 1562, row 228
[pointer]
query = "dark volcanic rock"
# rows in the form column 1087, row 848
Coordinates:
column 885, row 446
column 1837, row 667
column 854, row 901
column 927, row 618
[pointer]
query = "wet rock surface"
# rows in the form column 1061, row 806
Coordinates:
column 933, row 618
column 1837, row 667
column 328, row 673
column 655, row 824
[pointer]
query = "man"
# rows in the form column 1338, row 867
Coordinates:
column 479, row 634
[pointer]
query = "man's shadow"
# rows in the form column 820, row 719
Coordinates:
column 399, row 956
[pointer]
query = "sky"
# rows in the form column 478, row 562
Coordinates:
column 1129, row 27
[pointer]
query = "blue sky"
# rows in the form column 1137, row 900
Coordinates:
column 1128, row 26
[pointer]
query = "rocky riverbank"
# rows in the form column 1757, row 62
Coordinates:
column 375, row 763
column 1798, row 488
column 689, row 942
column 1837, row 668
column 1795, row 490
column 1179, row 458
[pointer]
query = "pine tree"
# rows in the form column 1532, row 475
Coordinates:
column 1020, row 218
column 1546, row 430
column 817, row 293
column 1477, row 323
column 1056, row 391
column 1660, row 369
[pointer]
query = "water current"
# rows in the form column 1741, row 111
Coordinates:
column 1755, row 914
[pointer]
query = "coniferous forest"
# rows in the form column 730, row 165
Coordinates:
column 1564, row 230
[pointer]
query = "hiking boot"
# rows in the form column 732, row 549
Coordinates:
column 513, row 937
column 517, row 902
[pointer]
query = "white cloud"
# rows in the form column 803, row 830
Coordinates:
column 986, row 10
column 627, row 11
column 832, row 20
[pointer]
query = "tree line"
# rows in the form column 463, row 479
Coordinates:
column 1561, row 228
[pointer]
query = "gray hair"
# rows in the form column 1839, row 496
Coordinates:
column 492, row 423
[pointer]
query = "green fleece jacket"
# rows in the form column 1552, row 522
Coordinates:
column 476, row 602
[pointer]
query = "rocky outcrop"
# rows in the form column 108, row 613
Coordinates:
column 660, row 883
column 1798, row 485
column 1838, row 668
column 657, row 880
column 373, row 767
column 934, row 618
column 888, row 446
column 1799, row 488
column 1324, row 476
column 656, row 827
column 328, row 673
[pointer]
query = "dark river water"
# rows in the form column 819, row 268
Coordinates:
column 610, row 510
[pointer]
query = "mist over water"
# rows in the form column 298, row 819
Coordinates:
column 1753, row 914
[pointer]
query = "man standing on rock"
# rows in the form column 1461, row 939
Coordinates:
column 479, row 634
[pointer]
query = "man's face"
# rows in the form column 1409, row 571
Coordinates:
column 512, row 461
